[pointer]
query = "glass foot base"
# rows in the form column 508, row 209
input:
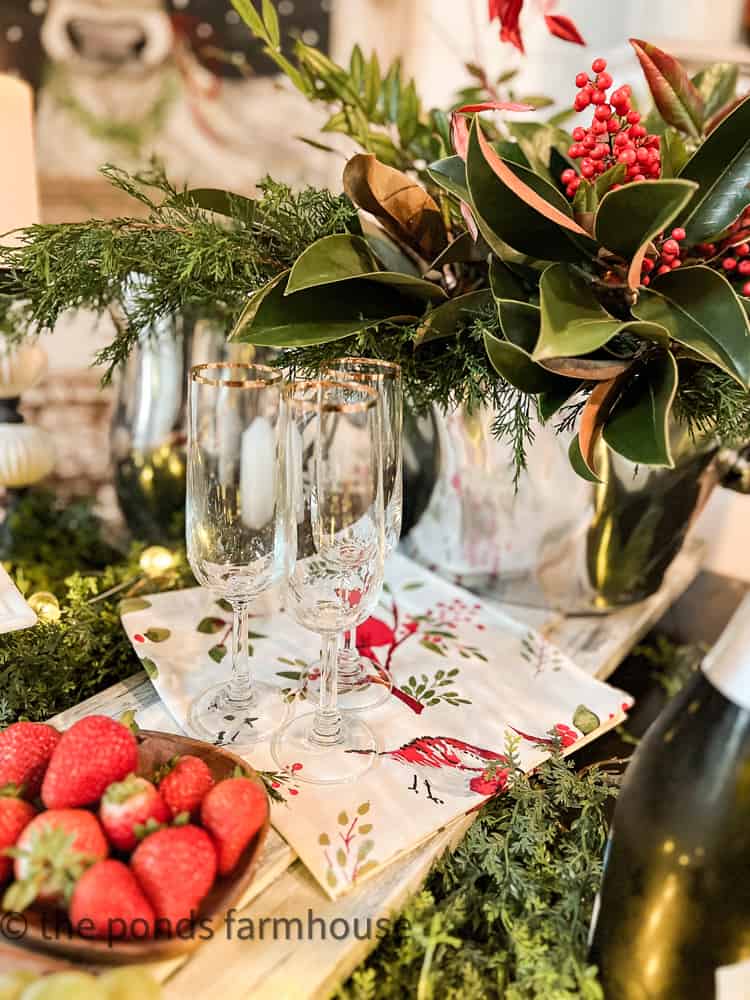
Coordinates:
column 347, row 760
column 217, row 720
column 360, row 693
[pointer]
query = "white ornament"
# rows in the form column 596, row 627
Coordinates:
column 27, row 454
column 20, row 369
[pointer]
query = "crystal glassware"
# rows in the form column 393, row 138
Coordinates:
column 364, row 684
column 235, row 530
column 335, row 526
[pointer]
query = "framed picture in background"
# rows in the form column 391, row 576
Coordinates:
column 125, row 80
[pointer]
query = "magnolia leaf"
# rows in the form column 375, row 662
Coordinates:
column 549, row 402
column 717, row 85
column 516, row 366
column 579, row 466
column 218, row 201
column 447, row 319
column 505, row 218
column 573, row 320
column 553, row 207
column 629, row 218
column 387, row 250
column 674, row 94
column 638, row 427
column 721, row 168
column 341, row 257
column 504, row 282
column 450, row 174
column 519, row 322
column 319, row 315
column 593, row 418
column 587, row 369
column 462, row 249
column 699, row 308
column 401, row 205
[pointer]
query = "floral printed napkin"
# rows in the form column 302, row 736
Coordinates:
column 466, row 678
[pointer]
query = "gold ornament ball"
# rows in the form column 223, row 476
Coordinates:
column 45, row 605
column 156, row 560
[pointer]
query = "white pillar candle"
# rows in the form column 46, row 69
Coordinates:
column 19, row 194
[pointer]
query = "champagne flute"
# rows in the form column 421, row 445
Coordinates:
column 363, row 684
column 235, row 530
column 335, row 526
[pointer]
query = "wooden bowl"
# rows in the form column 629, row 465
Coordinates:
column 156, row 749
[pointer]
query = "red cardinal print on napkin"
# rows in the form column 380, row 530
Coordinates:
column 447, row 766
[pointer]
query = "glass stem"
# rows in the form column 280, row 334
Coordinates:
column 326, row 729
column 350, row 667
column 240, row 689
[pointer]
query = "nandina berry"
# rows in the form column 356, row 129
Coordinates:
column 633, row 117
column 579, row 133
column 744, row 267
column 678, row 233
column 604, row 81
column 648, row 264
column 599, row 152
column 598, row 97
column 746, row 288
column 613, row 125
column 603, row 112
column 729, row 263
column 642, row 155
column 598, row 127
column 581, row 79
column 639, row 177
column 645, row 280
column 676, row 263
column 672, row 247
column 664, row 269
column 742, row 250
column 599, row 65
column 567, row 175
column 582, row 100
column 627, row 156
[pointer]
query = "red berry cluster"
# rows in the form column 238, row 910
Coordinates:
column 734, row 251
column 614, row 136
column 669, row 255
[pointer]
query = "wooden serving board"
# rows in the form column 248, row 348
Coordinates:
column 280, row 966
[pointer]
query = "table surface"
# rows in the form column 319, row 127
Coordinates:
column 286, row 968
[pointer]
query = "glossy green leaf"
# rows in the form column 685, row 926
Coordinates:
column 450, row 174
column 408, row 114
column 520, row 323
column 319, row 315
column 674, row 94
column 218, row 201
column 372, row 84
column 271, row 21
column 516, row 366
column 634, row 214
column 504, row 282
column 550, row 401
column 674, row 154
column 503, row 215
column 461, row 250
column 638, row 426
column 448, row 318
column 537, row 140
column 573, row 321
column 579, row 466
column 699, row 308
column 721, row 166
column 342, row 257
column 717, row 85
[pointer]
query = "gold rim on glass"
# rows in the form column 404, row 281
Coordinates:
column 391, row 366
column 269, row 376
column 371, row 396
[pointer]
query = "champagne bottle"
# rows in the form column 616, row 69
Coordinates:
column 672, row 920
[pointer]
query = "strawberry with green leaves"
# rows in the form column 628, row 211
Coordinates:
column 109, row 903
column 127, row 808
column 51, row 854
column 183, row 783
column 15, row 816
column 175, row 867
column 91, row 755
column 233, row 812
column 25, row 751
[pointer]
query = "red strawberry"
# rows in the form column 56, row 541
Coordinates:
column 90, row 756
column 127, row 805
column 176, row 868
column 108, row 903
column 233, row 812
column 25, row 750
column 15, row 816
column 51, row 855
column 183, row 783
